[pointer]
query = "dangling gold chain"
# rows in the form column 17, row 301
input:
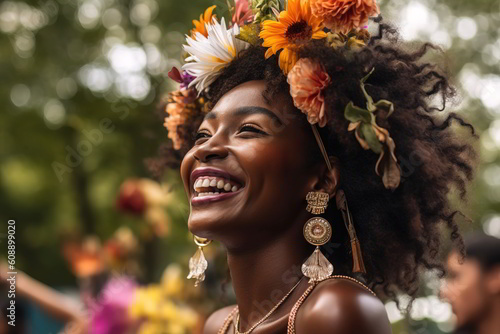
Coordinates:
column 237, row 313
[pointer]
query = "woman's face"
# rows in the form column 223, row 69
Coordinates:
column 248, row 172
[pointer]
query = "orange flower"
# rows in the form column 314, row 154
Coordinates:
column 296, row 26
column 180, row 105
column 171, row 124
column 344, row 15
column 205, row 18
column 307, row 81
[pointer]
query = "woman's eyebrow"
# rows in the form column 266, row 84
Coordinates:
column 249, row 110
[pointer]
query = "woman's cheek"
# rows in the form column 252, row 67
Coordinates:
column 186, row 166
column 274, row 158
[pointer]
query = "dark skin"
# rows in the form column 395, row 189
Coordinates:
column 474, row 294
column 263, row 147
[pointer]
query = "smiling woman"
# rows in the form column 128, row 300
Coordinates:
column 272, row 134
column 244, row 141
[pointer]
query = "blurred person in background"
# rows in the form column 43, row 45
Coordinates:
column 472, row 286
column 30, row 291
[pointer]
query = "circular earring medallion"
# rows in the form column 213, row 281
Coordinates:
column 317, row 231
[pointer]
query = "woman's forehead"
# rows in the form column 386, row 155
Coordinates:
column 246, row 94
column 251, row 94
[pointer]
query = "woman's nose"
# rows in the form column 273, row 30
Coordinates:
column 211, row 149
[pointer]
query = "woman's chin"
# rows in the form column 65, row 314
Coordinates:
column 203, row 226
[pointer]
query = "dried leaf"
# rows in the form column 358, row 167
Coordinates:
column 335, row 40
column 371, row 136
column 354, row 43
column 361, row 140
column 387, row 166
column 386, row 106
column 353, row 126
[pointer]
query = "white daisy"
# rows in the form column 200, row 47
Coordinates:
column 209, row 55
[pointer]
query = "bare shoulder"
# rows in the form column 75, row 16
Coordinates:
column 342, row 306
column 216, row 320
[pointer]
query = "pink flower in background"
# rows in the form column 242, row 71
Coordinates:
column 242, row 13
column 110, row 312
column 307, row 79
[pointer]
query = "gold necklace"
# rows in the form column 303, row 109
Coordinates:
column 237, row 323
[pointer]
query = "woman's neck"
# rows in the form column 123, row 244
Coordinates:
column 262, row 276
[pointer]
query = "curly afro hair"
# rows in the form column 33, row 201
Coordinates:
column 399, row 231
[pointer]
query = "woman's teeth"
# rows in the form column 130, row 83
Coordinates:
column 207, row 194
column 215, row 186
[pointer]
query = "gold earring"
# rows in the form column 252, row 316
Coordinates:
column 317, row 202
column 197, row 263
column 317, row 231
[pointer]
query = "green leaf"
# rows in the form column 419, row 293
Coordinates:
column 250, row 34
column 386, row 106
column 369, row 100
column 369, row 135
column 356, row 114
column 367, row 76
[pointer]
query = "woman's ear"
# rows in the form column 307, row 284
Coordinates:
column 328, row 179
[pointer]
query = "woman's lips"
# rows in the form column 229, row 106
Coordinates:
column 213, row 198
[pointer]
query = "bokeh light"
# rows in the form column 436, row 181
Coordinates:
column 20, row 95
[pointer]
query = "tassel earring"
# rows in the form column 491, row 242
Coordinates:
column 358, row 265
column 317, row 231
column 197, row 263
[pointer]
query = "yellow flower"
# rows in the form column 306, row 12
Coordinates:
column 296, row 26
column 151, row 328
column 146, row 302
column 205, row 18
column 172, row 281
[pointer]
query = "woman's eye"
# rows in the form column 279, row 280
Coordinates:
column 201, row 135
column 250, row 128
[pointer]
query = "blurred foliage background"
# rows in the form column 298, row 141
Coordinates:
column 81, row 85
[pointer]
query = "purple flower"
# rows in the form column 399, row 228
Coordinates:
column 183, row 78
column 186, row 79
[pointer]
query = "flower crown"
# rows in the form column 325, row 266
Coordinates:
column 283, row 27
